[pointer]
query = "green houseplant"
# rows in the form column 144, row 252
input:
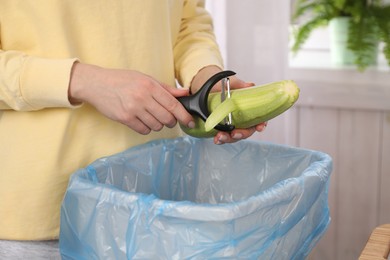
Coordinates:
column 368, row 23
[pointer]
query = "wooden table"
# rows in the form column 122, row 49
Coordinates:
column 378, row 245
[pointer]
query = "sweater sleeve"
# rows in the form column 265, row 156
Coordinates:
column 30, row 83
column 196, row 46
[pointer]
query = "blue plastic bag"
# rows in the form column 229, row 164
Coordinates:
column 187, row 198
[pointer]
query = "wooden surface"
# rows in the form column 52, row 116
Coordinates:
column 378, row 245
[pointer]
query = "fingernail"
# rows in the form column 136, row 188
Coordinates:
column 222, row 138
column 191, row 124
column 237, row 136
column 261, row 127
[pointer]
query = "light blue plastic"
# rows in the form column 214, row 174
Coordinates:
column 187, row 198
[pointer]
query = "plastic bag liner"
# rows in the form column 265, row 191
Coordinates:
column 187, row 198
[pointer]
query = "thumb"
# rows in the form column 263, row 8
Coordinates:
column 237, row 83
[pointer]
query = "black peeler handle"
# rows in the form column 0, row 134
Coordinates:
column 196, row 104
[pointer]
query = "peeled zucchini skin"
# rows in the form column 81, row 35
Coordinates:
column 267, row 102
column 199, row 130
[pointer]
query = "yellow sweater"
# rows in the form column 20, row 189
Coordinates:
column 43, row 139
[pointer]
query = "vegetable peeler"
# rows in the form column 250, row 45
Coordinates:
column 196, row 104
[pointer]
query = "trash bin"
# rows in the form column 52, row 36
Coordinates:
column 187, row 198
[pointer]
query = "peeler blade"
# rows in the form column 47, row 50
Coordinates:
column 225, row 93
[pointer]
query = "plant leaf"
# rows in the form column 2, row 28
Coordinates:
column 382, row 17
column 303, row 32
column 363, row 39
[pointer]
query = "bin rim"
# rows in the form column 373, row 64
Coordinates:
column 220, row 211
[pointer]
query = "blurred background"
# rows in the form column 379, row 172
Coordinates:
column 341, row 111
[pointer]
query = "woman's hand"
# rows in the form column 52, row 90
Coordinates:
column 235, row 83
column 129, row 97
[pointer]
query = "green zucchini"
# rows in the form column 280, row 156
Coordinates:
column 249, row 107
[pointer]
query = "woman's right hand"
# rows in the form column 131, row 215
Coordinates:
column 129, row 97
